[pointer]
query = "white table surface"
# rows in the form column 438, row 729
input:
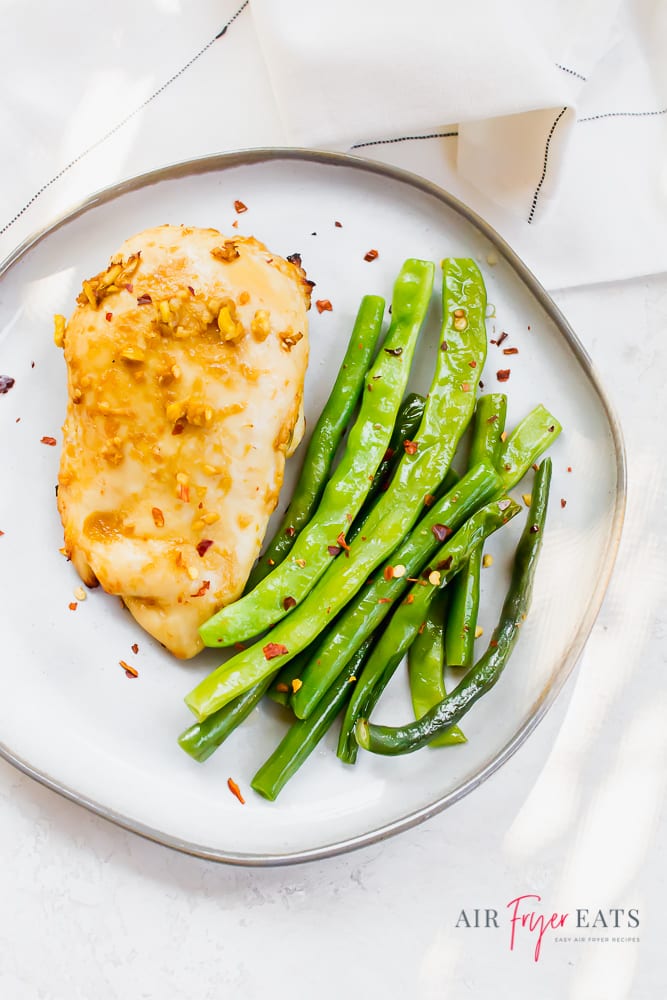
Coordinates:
column 90, row 912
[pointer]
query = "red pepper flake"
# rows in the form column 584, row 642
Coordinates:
column 503, row 374
column 340, row 540
column 465, row 386
column 323, row 305
column 388, row 573
column 420, row 630
column 205, row 584
column 158, row 517
column 129, row 287
column 273, row 649
column 384, row 600
column 239, row 207
column 473, row 364
column 178, row 428
column 394, row 351
column 108, row 317
column 144, row 300
column 73, row 606
column 334, row 550
column 410, row 447
column 563, row 503
column 204, row 546
column 135, row 648
column 48, row 440
column 289, row 602
column 282, row 687
column 569, row 468
column 129, row 671
column 290, row 531
column 240, row 646
column 500, row 340
column 492, row 420
column 444, row 346
column 535, row 466
column 231, row 784
column 441, row 532
column 371, row 255
column 32, row 364
column 493, row 644
column 410, row 599
column 445, row 564
column 388, row 455
column 338, row 225
column 534, row 528
column 510, row 350
column 551, row 429
column 1, row 534
column 429, row 500
column 6, row 382
column 191, row 290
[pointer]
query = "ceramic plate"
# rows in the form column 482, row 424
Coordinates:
column 71, row 718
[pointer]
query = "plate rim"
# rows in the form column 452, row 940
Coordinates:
column 250, row 157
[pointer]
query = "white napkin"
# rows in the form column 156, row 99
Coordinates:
column 548, row 118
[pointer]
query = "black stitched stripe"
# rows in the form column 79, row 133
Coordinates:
column 625, row 114
column 125, row 120
column 546, row 160
column 403, row 138
column 572, row 72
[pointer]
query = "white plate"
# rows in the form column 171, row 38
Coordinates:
column 68, row 714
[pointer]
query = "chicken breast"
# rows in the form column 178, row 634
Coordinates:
column 186, row 361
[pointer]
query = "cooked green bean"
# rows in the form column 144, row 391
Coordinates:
column 411, row 613
column 303, row 735
column 348, row 486
column 486, row 443
column 393, row 740
column 326, row 436
column 426, row 665
column 524, row 446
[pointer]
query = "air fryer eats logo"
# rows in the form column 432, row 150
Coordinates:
column 525, row 918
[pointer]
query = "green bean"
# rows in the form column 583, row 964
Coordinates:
column 202, row 738
column 303, row 735
column 464, row 598
column 524, row 446
column 326, row 436
column 347, row 487
column 411, row 613
column 407, row 421
column 426, row 665
column 392, row 740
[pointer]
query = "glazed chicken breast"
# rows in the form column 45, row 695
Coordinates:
column 186, row 360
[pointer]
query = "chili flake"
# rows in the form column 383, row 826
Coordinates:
column 273, row 649
column 6, row 382
column 204, row 546
column 338, row 225
column 205, row 584
column 158, row 517
column 441, row 532
column 282, row 687
column 563, row 503
column 323, row 305
column 108, row 317
column 239, row 207
column 429, row 500
column 409, row 599
column 510, row 350
column 296, row 684
column 135, row 648
column 410, row 447
column 384, row 600
column 388, row 573
column 290, row 532
column 334, row 550
column 487, row 561
column 445, row 564
column 340, row 540
column 289, row 602
column 233, row 787
column 144, row 300
column 503, row 374
column 371, row 255
column 73, row 605
column 129, row 671
column 534, row 528
column 48, row 440
column 394, row 351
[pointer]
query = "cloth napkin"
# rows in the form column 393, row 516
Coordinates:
column 547, row 118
